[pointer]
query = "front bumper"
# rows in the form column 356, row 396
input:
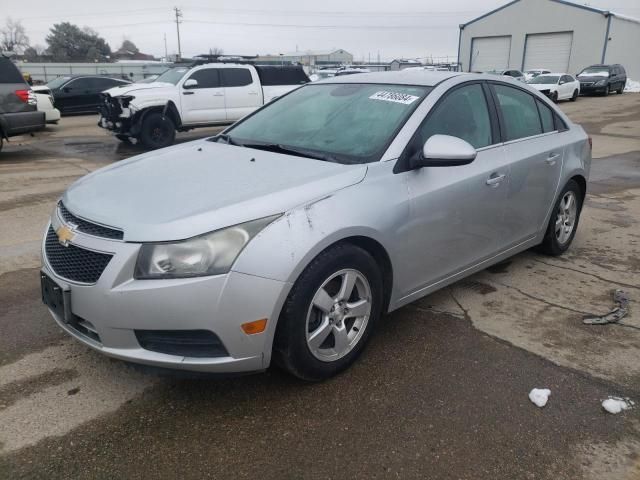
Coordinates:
column 592, row 88
column 117, row 306
column 112, row 116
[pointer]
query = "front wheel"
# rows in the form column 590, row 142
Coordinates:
column 554, row 97
column 158, row 131
column 330, row 313
column 574, row 97
column 620, row 90
column 564, row 221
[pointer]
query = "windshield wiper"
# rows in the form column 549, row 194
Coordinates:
column 299, row 152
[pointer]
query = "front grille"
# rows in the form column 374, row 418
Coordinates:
column 184, row 343
column 586, row 84
column 74, row 263
column 87, row 227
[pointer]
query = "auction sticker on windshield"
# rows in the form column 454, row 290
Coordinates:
column 394, row 97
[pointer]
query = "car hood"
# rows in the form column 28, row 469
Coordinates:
column 194, row 188
column 542, row 86
column 590, row 78
column 137, row 88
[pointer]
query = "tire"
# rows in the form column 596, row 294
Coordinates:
column 574, row 97
column 556, row 239
column 620, row 90
column 157, row 131
column 607, row 91
column 301, row 320
column 554, row 97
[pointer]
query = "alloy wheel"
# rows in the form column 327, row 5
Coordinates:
column 338, row 315
column 566, row 217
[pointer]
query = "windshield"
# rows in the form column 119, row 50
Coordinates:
column 58, row 82
column 351, row 123
column 545, row 79
column 594, row 72
column 173, row 75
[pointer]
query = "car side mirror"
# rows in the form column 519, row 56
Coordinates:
column 191, row 83
column 444, row 151
column 562, row 82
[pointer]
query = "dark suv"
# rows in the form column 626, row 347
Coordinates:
column 602, row 79
column 78, row 93
column 18, row 111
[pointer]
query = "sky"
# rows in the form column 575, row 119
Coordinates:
column 367, row 28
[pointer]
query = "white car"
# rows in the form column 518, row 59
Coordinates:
column 45, row 104
column 557, row 86
column 193, row 96
column 534, row 72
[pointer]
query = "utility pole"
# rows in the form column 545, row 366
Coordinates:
column 166, row 54
column 178, row 21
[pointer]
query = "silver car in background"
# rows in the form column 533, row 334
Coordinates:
column 289, row 235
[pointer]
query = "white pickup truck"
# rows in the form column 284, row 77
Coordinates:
column 186, row 97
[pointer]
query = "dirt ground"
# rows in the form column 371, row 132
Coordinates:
column 440, row 393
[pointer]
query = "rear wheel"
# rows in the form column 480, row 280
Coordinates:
column 330, row 314
column 158, row 131
column 574, row 97
column 564, row 221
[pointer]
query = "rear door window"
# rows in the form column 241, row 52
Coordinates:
column 463, row 113
column 236, row 77
column 546, row 116
column 9, row 73
column 520, row 118
column 206, row 78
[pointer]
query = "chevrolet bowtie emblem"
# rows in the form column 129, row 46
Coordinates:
column 65, row 235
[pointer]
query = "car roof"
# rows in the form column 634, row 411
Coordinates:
column 424, row 78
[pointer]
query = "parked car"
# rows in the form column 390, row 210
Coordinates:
column 534, row 72
column 350, row 71
column 557, row 86
column 18, row 110
column 188, row 97
column 603, row 79
column 517, row 74
column 79, row 93
column 287, row 236
column 45, row 104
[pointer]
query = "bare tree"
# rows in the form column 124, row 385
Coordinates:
column 216, row 51
column 13, row 37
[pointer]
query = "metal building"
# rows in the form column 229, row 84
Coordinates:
column 555, row 34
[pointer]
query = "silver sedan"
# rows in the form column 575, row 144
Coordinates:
column 287, row 237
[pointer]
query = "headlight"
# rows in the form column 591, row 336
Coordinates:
column 209, row 254
column 601, row 82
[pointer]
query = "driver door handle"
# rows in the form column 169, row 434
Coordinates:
column 495, row 179
column 551, row 159
column 187, row 93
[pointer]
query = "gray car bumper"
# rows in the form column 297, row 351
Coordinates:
column 117, row 306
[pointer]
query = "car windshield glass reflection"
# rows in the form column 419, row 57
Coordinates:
column 348, row 123
column 545, row 79
column 173, row 75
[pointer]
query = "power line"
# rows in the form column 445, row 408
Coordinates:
column 290, row 25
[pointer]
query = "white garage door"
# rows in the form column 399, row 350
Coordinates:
column 490, row 53
column 548, row 50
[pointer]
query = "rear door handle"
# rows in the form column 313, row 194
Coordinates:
column 187, row 93
column 218, row 94
column 551, row 159
column 495, row 179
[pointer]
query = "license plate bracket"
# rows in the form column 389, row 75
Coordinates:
column 57, row 298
